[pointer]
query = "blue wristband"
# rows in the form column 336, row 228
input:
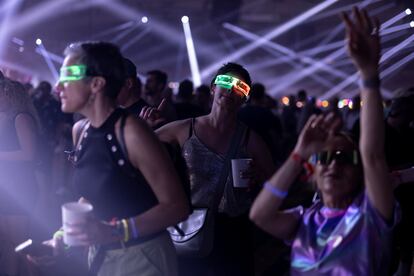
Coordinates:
column 134, row 229
column 275, row 191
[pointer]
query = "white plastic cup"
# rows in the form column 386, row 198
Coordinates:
column 74, row 213
column 237, row 166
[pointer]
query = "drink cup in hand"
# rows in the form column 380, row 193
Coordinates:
column 238, row 166
column 74, row 213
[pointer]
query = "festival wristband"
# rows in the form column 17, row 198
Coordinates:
column 372, row 82
column 274, row 190
column 134, row 229
column 296, row 157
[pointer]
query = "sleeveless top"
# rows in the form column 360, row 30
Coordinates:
column 101, row 176
column 18, row 187
column 204, row 168
column 354, row 241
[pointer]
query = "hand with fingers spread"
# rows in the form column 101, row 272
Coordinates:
column 154, row 116
column 363, row 40
column 316, row 132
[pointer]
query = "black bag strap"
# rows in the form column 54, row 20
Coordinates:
column 231, row 152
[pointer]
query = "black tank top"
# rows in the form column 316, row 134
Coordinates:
column 101, row 177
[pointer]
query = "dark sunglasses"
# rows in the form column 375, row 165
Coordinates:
column 341, row 157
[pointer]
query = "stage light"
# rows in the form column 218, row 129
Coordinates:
column 292, row 78
column 185, row 19
column 412, row 24
column 353, row 78
column 38, row 41
column 47, row 59
column 144, row 19
column 408, row 11
column 192, row 57
column 21, row 49
column 290, row 24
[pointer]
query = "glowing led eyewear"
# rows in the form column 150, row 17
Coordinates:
column 72, row 73
column 341, row 157
column 230, row 82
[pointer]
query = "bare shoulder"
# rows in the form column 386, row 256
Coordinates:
column 25, row 119
column 175, row 132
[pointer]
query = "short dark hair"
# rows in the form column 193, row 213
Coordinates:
column 161, row 76
column 101, row 59
column 130, row 68
column 185, row 89
column 235, row 68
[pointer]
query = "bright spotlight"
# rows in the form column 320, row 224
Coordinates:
column 185, row 19
column 144, row 19
column 408, row 11
column 412, row 24
column 38, row 41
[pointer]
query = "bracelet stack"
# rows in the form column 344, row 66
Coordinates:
column 127, row 229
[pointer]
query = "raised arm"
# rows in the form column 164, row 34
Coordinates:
column 147, row 154
column 363, row 43
column 264, row 211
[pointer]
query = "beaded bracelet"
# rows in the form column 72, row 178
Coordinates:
column 274, row 190
column 134, row 229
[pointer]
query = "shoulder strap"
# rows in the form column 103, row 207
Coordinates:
column 231, row 152
column 122, row 142
column 80, row 132
column 191, row 129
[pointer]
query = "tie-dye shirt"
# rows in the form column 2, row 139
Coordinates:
column 354, row 241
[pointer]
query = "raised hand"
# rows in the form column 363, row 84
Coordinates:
column 153, row 116
column 313, row 137
column 363, row 41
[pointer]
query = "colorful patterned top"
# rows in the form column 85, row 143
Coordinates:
column 354, row 241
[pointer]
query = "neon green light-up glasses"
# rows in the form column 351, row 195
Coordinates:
column 72, row 73
column 230, row 82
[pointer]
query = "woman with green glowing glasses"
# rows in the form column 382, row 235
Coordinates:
column 204, row 142
column 347, row 231
column 121, row 168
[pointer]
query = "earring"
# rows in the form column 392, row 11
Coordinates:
column 91, row 98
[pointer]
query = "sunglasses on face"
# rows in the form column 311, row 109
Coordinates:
column 341, row 157
column 72, row 73
column 233, row 84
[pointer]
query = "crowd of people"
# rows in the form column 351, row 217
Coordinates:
column 324, row 194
